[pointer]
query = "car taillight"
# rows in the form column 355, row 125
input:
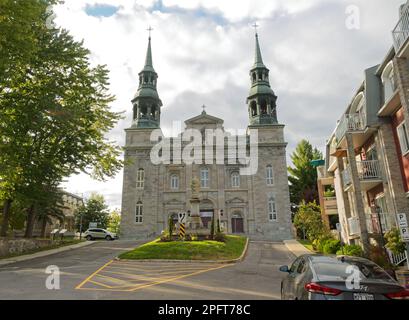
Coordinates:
column 317, row 288
column 401, row 295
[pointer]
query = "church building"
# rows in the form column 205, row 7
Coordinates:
column 256, row 205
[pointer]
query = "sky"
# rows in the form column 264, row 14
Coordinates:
column 316, row 50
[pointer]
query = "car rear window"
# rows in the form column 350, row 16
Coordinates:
column 367, row 270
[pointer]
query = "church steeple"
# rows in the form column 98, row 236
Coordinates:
column 146, row 103
column 261, row 100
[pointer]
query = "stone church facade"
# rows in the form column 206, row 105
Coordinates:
column 257, row 205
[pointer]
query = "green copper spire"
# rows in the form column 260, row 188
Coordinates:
column 258, row 62
column 148, row 61
column 146, row 102
column 261, row 99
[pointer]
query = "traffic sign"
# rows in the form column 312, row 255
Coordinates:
column 402, row 220
column 405, row 234
column 182, row 217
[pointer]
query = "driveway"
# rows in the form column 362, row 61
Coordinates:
column 91, row 273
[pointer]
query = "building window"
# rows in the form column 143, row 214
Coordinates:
column 139, row 213
column 403, row 138
column 204, row 178
column 174, row 182
column 235, row 180
column 269, row 176
column 272, row 210
column 388, row 81
column 140, row 179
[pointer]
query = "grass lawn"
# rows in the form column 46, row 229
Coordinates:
column 50, row 247
column 189, row 250
column 307, row 244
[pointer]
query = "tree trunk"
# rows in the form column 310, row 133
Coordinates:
column 6, row 218
column 30, row 222
column 43, row 227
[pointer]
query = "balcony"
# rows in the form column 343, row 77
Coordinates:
column 369, row 174
column 350, row 123
column 330, row 205
column 401, row 31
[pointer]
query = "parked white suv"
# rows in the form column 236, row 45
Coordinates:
column 97, row 233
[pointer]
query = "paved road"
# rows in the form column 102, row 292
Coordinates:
column 89, row 273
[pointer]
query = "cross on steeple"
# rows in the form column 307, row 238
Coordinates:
column 255, row 26
column 204, row 108
column 150, row 29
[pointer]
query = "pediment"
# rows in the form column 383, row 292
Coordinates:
column 204, row 118
column 236, row 200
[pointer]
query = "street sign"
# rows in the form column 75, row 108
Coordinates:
column 182, row 217
column 338, row 227
column 402, row 220
column 405, row 234
column 93, row 225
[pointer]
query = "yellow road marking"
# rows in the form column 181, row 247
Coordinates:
column 177, row 278
column 89, row 278
column 158, row 270
column 130, row 283
column 100, row 284
column 149, row 274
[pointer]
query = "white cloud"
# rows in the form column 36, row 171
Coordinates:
column 315, row 62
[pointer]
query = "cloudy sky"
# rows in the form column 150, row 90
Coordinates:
column 203, row 50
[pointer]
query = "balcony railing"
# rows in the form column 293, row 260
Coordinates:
column 350, row 123
column 353, row 224
column 401, row 32
column 369, row 169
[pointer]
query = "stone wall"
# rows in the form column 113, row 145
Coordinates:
column 18, row 246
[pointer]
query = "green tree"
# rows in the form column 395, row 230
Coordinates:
column 54, row 108
column 308, row 221
column 94, row 210
column 114, row 221
column 303, row 176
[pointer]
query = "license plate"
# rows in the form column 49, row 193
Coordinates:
column 363, row 296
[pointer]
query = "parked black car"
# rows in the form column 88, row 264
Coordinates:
column 318, row 277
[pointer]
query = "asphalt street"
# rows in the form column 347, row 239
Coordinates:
column 91, row 272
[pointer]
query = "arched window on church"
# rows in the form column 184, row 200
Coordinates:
column 174, row 182
column 139, row 213
column 204, row 178
column 153, row 111
column 235, row 180
column 269, row 176
column 260, row 76
column 254, row 77
column 253, row 107
column 272, row 209
column 263, row 106
column 140, row 179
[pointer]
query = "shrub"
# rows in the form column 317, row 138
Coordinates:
column 394, row 241
column 351, row 250
column 378, row 255
column 331, row 246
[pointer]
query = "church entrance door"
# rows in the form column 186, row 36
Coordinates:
column 237, row 224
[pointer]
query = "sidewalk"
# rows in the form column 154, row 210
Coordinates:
column 296, row 248
column 45, row 253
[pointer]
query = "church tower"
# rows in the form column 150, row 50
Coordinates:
column 146, row 103
column 261, row 100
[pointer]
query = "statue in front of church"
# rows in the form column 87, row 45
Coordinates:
column 195, row 186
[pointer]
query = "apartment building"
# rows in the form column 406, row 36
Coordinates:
column 367, row 156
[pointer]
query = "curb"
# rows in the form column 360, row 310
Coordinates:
column 232, row 261
column 43, row 253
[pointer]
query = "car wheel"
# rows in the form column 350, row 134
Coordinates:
column 89, row 238
column 108, row 238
